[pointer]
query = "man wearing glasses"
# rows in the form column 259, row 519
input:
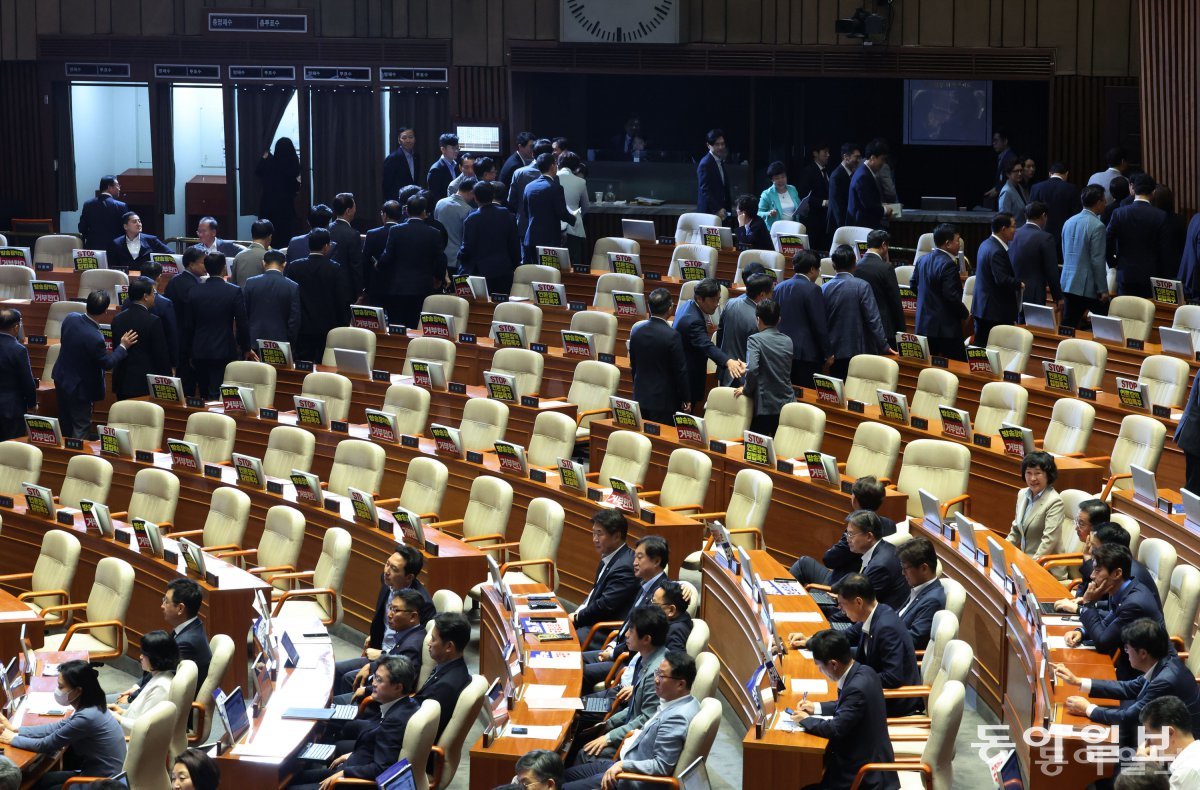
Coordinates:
column 408, row 637
column 540, row 769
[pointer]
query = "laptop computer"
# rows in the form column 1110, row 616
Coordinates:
column 931, row 506
column 1039, row 316
column 639, row 229
column 1177, row 341
column 1010, row 773
column 232, row 707
column 352, row 362
column 1191, row 506
column 1145, row 487
column 1109, row 329
column 939, row 203
column 397, row 777
column 967, row 541
column 693, row 777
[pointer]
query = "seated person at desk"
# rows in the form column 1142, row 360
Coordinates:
column 878, row 559
column 857, row 722
column 1101, row 534
column 180, row 610
column 1092, row 513
column 540, row 768
column 867, row 493
column 615, row 588
column 647, row 637
column 1162, row 674
column 751, row 233
column 407, row 639
column 160, row 658
column 656, row 747
column 1129, row 600
column 195, row 770
column 1039, row 507
column 1171, row 736
column 378, row 739
column 650, row 560
column 450, row 636
column 91, row 735
column 918, row 563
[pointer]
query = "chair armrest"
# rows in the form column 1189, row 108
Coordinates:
column 238, row 553
column 667, row 781
column 428, row 515
column 1177, row 641
column 1045, row 558
column 60, row 594
column 65, row 607
column 506, row 546
column 343, row 782
column 82, row 780
column 481, row 538
column 596, row 628
column 90, row 625
column 842, row 467
column 758, row 536
column 1073, row 585
column 964, row 499
column 679, row 508
column 644, row 494
column 199, row 716
column 120, row 515
column 314, row 592
column 1062, row 563
column 712, row 516
column 219, row 547
column 1112, row 480
column 187, row 533
column 269, row 569
column 387, row 503
column 926, row 772
column 906, row 692
column 579, row 418
column 530, row 563
column 13, row 577
column 438, row 755
column 617, row 667
column 292, row 575
column 454, row 522
column 886, row 481
column 1098, row 460
column 815, row 586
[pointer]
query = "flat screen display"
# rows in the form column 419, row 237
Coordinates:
column 484, row 139
column 947, row 112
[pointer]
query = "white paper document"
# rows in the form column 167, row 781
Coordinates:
column 542, row 691
column 553, row 659
column 799, row 617
column 555, row 703
column 811, row 685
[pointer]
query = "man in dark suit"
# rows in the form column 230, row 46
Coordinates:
column 324, row 296
column 884, row 643
column 181, row 612
column 1005, row 159
column 880, row 563
column 1138, row 242
column 997, row 289
column 854, row 324
column 519, row 158
column 132, row 249
column 658, row 363
column 1061, row 199
column 444, row 170
column 1034, row 256
column 101, row 219
column 406, row 638
column 150, row 355
column 1187, row 437
column 400, row 168
column 491, row 246
column 813, row 184
column 272, row 302
column 1103, row 533
column 79, row 372
column 543, row 208
column 866, row 493
column 1121, row 195
column 522, row 178
column 319, row 216
column 837, row 213
column 615, row 587
column 712, row 183
column 179, row 293
column 857, row 728
column 940, row 310
column 18, row 388
column 164, row 308
column 802, row 317
column 390, row 215
column 348, row 245
column 865, row 205
column 918, row 563
column 412, row 267
column 449, row 638
column 216, row 331
column 693, row 323
column 878, row 272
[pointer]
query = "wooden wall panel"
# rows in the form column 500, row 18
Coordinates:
column 23, row 158
column 479, row 94
column 1012, row 22
column 1077, row 122
column 1055, row 27
column 469, row 46
column 1170, row 81
column 1110, row 54
column 968, row 32
column 937, row 23
column 158, row 18
column 712, row 30
column 743, row 22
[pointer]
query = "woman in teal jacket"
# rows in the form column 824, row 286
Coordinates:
column 780, row 200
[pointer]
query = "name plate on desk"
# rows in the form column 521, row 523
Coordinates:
column 121, row 536
column 330, row 503
column 939, row 362
column 212, row 579
column 192, row 402
column 397, row 329
column 212, row 470
column 274, row 487
column 73, row 444
column 268, row 414
column 717, row 446
column 1135, row 344
column 1165, row 505
column 170, row 557
column 381, row 375
column 339, row 426
column 143, row 456
column 787, row 467
column 1012, row 376
column 304, row 365
column 647, row 516
column 1066, row 331
column 651, row 429
column 1087, row 394
column 847, row 486
column 529, row 401
column 457, row 388
column 538, row 347
column 856, row 406
column 474, row 457
column 467, row 338
column 411, row 442
column 1161, row 411
column 36, row 340
column 592, row 494
column 431, row 548
column 982, row 440
column 576, row 307
column 537, row 475
column 44, row 267
column 65, row 517
column 920, row 423
column 652, row 275
column 581, row 268
column 6, row 501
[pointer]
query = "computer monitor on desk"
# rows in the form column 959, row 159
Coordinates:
column 638, row 229
column 932, row 508
column 1039, row 316
column 352, row 362
column 1145, row 487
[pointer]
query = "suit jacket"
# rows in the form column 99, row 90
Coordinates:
column 164, row 308
column 769, row 371
column 712, row 191
column 865, row 205
column 838, row 212
column 380, row 741
column 839, row 559
column 511, row 165
column 1012, row 201
column 769, row 201
column 1084, row 272
column 939, row 295
column 643, row 598
column 348, row 253
column 644, row 702
column 149, row 355
column 413, row 262
column 522, row 177
column 857, row 732
column 193, row 646
column 883, row 571
column 1062, row 202
column 216, row 326
column 1035, row 530
column 297, row 247
column 1130, row 603
column 698, row 348
column 803, row 318
column 100, row 222
column 659, row 367
column 247, row 263
column 227, row 248
column 452, row 212
column 83, row 358
column 445, row 684
column 120, row 257
column 1139, row 572
column 1138, row 243
column 409, row 644
column 272, row 307
column 917, row 616
column 543, row 207
column 178, row 293
column 491, row 247
column 738, row 322
column 880, row 275
column 813, row 184
column 379, row 619
column 1187, row 432
column 1034, row 257
column 324, row 294
column 397, row 174
column 1189, row 264
column 888, row 649
column 575, row 195
column 1169, row 678
column 754, row 236
column 18, row 389
column 612, row 594
column 372, row 251
column 438, row 178
column 996, row 285
column 655, row 750
column 854, row 324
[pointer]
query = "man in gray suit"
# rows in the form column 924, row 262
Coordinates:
column 206, row 230
column 854, row 324
column 655, row 750
column 768, row 370
column 738, row 322
column 452, row 213
column 249, row 262
column 273, row 302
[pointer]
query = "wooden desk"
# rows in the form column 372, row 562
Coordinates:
column 34, row 764
column 582, row 287
column 554, row 320
column 15, row 615
column 1175, row 529
column 1122, row 361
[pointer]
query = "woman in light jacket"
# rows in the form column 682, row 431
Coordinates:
column 1038, row 522
column 575, row 192
column 780, row 200
column 1012, row 197
column 160, row 658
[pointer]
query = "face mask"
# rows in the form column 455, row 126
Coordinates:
column 62, row 698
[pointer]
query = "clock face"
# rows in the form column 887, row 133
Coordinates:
column 620, row 21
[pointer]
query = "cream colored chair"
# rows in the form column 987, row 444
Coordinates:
column 356, row 464
column 419, row 736
column 524, row 313
column 182, row 694
column 1180, row 604
column 525, row 365
column 19, row 463
column 484, row 422
column 213, row 433
column 935, row 387
column 354, row 338
column 1088, row 357
column 697, row 641
column 553, row 438
column 279, row 547
column 102, row 280
column 102, row 632
column 904, row 275
column 612, row 281
column 447, row 601
column 88, row 477
column 801, row 429
column 942, row 631
column 968, row 292
column 701, row 734
column 204, row 706
column 1070, row 427
column 3, row 240
column 431, row 349
column 708, row 671
column 525, row 275
column 155, row 497
column 448, row 304
column 694, row 601
column 1133, row 528
column 592, row 384
column 1159, row 557
column 787, row 226
column 608, row 244
column 52, row 577
column 323, row 600
column 692, row 252
column 909, row 732
column 1014, row 344
column 424, row 488
column 225, row 525
column 16, row 282
column 873, row 452
column 333, row 388
column 956, row 597
column 626, row 457
column 1139, row 442
column 848, row 234
column 939, row 467
column 52, row 353
column 869, row 372
column 426, row 666
column 1136, row 314
column 537, row 547
column 1166, row 379
column 149, row 749
column 924, row 244
column 143, row 420
column 57, row 313
column 448, row 750
column 259, row 376
column 685, row 485
column 687, row 227
column 744, row 518
column 288, row 448
column 487, row 512
column 1187, row 316
column 935, row 766
column 603, row 327
column 410, row 406
column 55, row 249
column 727, row 416
column 768, row 258
column 1000, row 401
